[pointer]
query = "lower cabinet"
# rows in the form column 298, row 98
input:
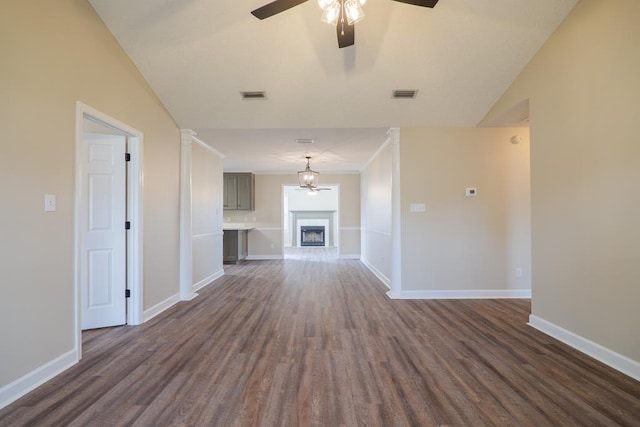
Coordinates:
column 234, row 246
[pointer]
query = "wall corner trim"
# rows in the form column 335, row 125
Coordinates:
column 23, row 385
column 608, row 357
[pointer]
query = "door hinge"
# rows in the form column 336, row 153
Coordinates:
column 127, row 293
column 127, row 225
column 127, row 157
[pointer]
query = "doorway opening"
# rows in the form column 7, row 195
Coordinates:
column 108, row 221
column 311, row 228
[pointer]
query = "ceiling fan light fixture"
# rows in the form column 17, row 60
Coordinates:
column 325, row 3
column 331, row 14
column 353, row 10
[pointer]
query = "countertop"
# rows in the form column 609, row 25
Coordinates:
column 236, row 226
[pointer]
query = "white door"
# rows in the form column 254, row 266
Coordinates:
column 103, row 242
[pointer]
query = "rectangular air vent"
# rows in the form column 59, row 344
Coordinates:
column 304, row 141
column 253, row 95
column 404, row 94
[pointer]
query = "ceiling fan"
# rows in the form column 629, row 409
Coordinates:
column 343, row 13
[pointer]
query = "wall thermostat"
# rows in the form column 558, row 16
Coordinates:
column 471, row 192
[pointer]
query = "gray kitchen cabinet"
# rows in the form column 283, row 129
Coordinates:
column 235, row 245
column 239, row 191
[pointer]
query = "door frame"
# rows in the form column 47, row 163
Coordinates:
column 134, row 214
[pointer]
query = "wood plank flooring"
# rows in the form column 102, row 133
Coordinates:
column 265, row 345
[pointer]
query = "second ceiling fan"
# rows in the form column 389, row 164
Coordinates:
column 334, row 10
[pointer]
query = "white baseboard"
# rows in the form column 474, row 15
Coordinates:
column 191, row 297
column 384, row 279
column 482, row 294
column 394, row 295
column 608, row 357
column 204, row 282
column 263, row 257
column 160, row 307
column 349, row 256
column 23, row 385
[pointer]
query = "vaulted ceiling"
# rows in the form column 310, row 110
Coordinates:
column 198, row 55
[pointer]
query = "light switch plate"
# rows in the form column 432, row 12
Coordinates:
column 49, row 202
column 417, row 207
column 471, row 192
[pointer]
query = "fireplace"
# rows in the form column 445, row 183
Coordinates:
column 312, row 235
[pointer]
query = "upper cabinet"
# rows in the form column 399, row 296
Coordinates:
column 239, row 194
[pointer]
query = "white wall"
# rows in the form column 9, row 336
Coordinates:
column 206, row 214
column 321, row 201
column 376, row 214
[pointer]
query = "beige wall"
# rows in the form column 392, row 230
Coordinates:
column 376, row 213
column 266, row 239
column 206, row 212
column 583, row 88
column 461, row 243
column 54, row 54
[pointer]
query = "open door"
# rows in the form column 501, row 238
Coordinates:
column 103, row 243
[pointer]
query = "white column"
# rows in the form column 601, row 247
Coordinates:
column 186, row 255
column 396, row 237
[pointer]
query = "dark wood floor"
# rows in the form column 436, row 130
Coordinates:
column 302, row 343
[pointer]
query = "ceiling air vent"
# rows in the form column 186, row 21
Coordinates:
column 404, row 94
column 304, row 141
column 254, row 95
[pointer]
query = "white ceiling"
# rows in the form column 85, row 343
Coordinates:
column 198, row 55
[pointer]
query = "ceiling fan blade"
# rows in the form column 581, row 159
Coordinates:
column 275, row 7
column 346, row 34
column 423, row 3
